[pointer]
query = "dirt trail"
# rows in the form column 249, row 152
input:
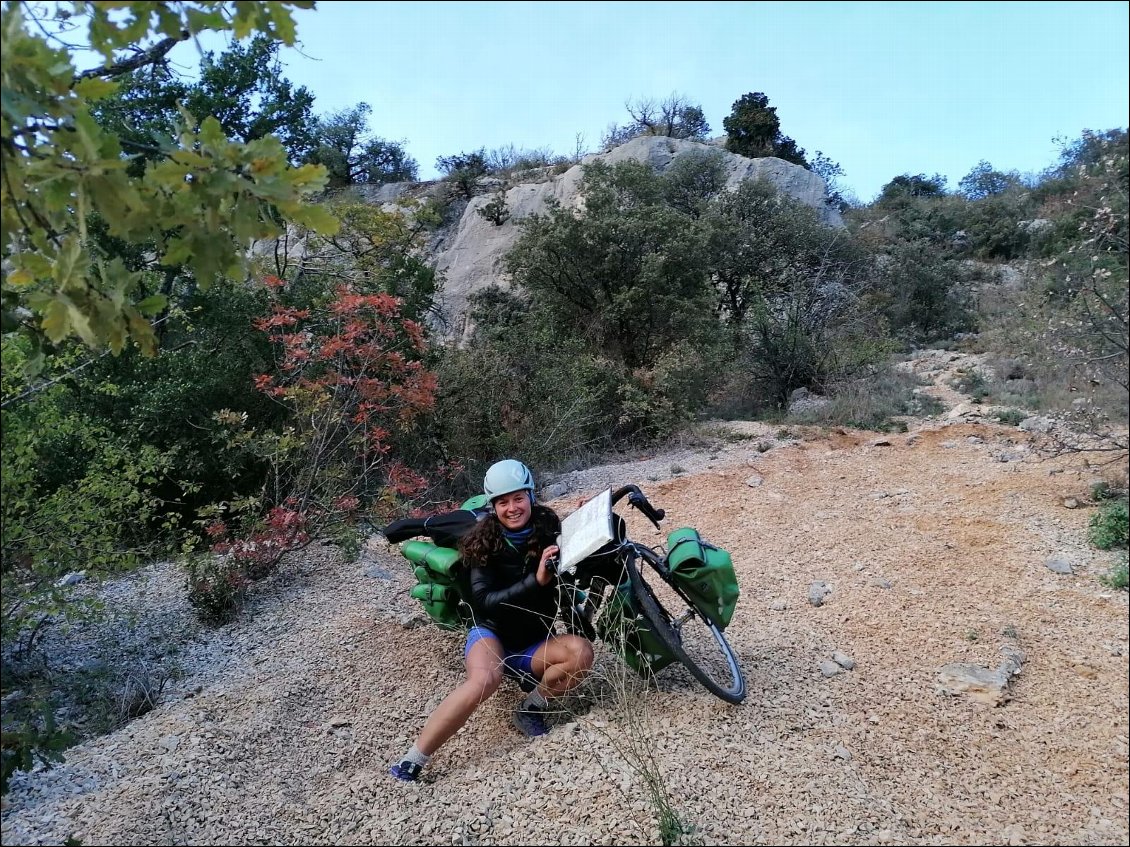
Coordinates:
column 935, row 545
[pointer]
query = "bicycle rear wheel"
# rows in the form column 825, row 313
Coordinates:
column 690, row 636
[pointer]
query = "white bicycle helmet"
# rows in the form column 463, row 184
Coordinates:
column 507, row 476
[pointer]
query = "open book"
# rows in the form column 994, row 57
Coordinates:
column 585, row 531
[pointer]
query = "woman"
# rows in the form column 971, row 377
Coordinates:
column 514, row 601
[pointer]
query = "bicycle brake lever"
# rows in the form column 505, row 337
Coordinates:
column 650, row 512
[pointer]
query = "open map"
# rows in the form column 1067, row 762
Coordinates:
column 586, row 530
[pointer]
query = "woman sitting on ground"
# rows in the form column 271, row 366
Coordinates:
column 514, row 601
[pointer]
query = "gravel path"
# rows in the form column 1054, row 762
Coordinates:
column 934, row 545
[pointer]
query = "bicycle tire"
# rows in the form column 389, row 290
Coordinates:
column 713, row 662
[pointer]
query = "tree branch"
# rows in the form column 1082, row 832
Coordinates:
column 142, row 58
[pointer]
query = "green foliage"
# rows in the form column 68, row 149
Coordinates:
column 495, row 211
column 199, row 205
column 1118, row 576
column 243, row 88
column 807, row 336
column 375, row 252
column 353, row 156
column 973, row 383
column 924, row 296
column 168, row 401
column 693, row 181
column 874, row 401
column 627, row 276
column 763, row 246
column 790, row 289
column 1109, row 526
column 1012, row 417
column 1102, row 490
column 1087, row 155
column 754, row 130
column 658, row 261
column 996, row 225
column 35, row 740
column 463, row 170
column 521, row 387
column 905, row 186
column 77, row 494
column 217, row 586
column 830, row 172
column 983, row 181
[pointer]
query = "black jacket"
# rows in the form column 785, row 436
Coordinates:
column 506, row 598
column 445, row 529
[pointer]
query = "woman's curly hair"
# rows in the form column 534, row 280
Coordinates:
column 486, row 540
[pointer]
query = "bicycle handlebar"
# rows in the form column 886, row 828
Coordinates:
column 639, row 500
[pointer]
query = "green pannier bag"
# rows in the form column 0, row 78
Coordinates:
column 438, row 560
column 437, row 588
column 621, row 625
column 705, row 572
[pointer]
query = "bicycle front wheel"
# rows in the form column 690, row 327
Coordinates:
column 688, row 634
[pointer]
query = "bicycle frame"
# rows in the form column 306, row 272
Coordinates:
column 622, row 563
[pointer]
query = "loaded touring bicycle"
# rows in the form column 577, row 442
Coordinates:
column 655, row 606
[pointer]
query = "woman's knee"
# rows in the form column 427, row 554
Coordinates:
column 579, row 655
column 484, row 682
column 583, row 655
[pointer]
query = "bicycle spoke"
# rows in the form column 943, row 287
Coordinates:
column 699, row 645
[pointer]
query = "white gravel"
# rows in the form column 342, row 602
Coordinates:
column 285, row 724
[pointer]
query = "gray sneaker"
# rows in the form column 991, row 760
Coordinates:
column 530, row 721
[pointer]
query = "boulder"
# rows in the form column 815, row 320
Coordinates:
column 470, row 257
column 979, row 683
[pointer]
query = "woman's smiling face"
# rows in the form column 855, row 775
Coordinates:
column 513, row 510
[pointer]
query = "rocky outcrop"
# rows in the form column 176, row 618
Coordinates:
column 469, row 251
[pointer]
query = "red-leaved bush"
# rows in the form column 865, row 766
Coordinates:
column 350, row 374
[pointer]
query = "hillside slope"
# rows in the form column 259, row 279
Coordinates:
column 935, row 546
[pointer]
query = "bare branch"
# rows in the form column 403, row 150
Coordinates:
column 140, row 59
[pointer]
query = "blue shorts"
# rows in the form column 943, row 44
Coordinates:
column 518, row 661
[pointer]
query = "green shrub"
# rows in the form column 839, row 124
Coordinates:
column 1109, row 526
column 35, row 740
column 216, row 585
column 75, row 494
column 1011, row 417
column 872, row 402
column 923, row 294
column 519, row 389
column 1118, row 576
column 973, row 383
column 1102, row 490
column 495, row 211
column 993, row 225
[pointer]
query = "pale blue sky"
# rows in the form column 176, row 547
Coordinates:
column 881, row 88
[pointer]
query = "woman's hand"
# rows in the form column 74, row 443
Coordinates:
column 545, row 575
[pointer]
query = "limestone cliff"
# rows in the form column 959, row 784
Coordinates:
column 468, row 252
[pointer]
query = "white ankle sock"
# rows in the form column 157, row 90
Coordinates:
column 535, row 699
column 416, row 757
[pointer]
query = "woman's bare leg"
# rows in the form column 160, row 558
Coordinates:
column 561, row 663
column 484, row 675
